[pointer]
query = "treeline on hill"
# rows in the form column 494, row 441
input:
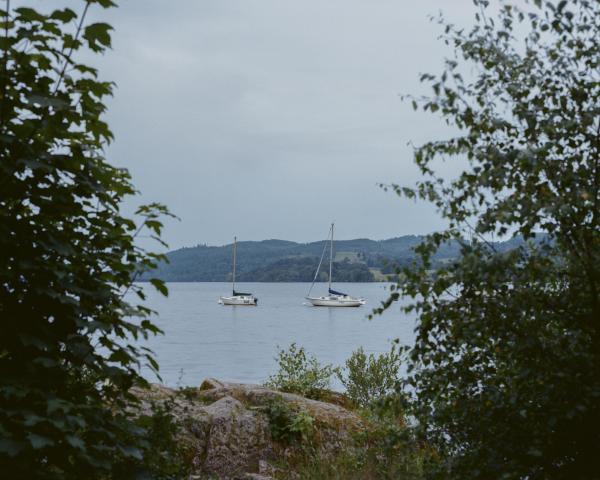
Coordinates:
column 302, row 269
column 359, row 260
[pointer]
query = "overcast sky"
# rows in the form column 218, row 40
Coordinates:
column 271, row 118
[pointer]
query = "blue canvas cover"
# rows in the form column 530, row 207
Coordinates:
column 241, row 294
column 333, row 292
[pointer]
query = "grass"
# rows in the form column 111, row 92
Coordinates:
column 377, row 275
column 375, row 455
column 351, row 256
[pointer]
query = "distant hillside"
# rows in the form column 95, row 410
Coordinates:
column 280, row 260
column 302, row 269
column 359, row 260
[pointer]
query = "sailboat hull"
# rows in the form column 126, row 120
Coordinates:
column 249, row 301
column 335, row 301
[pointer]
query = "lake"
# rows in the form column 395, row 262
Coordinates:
column 204, row 339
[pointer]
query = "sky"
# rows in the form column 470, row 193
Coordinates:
column 273, row 118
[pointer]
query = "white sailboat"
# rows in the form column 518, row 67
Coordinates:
column 238, row 298
column 334, row 298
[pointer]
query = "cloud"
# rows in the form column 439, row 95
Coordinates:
column 268, row 119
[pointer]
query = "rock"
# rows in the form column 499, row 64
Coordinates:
column 226, row 427
column 264, row 468
column 210, row 383
column 238, row 437
column 333, row 420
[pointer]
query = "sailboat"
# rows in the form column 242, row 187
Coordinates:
column 238, row 298
column 334, row 298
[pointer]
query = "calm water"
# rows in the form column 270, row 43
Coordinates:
column 204, row 339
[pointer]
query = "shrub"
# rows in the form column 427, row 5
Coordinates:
column 288, row 424
column 300, row 373
column 385, row 451
column 370, row 378
column 164, row 456
column 69, row 334
column 505, row 367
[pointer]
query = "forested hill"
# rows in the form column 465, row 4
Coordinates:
column 359, row 260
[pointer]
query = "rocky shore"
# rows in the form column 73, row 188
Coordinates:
column 244, row 431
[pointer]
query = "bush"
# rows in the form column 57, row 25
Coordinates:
column 504, row 373
column 370, row 378
column 301, row 374
column 384, row 451
column 287, row 424
column 69, row 334
column 164, row 455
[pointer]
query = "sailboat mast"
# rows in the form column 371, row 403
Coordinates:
column 234, row 252
column 331, row 256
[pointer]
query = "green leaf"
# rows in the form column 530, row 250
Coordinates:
column 75, row 442
column 132, row 452
column 104, row 3
column 65, row 15
column 11, row 447
column 39, row 441
column 27, row 14
column 97, row 35
column 160, row 286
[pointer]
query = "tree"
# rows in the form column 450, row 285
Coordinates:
column 368, row 379
column 301, row 373
column 505, row 370
column 68, row 257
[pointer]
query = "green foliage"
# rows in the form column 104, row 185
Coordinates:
column 386, row 450
column 302, row 269
column 289, row 425
column 301, row 374
column 164, row 455
column 370, row 378
column 67, row 257
column 505, row 370
column 389, row 450
column 284, row 261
